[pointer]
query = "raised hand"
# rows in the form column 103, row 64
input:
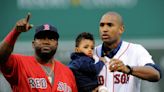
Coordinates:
column 23, row 25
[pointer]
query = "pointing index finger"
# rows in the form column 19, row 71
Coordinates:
column 28, row 17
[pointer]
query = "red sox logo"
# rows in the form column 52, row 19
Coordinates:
column 42, row 84
column 38, row 83
column 63, row 87
column 46, row 27
column 118, row 78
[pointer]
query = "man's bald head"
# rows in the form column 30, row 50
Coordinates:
column 116, row 15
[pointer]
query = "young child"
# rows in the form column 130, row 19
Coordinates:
column 83, row 64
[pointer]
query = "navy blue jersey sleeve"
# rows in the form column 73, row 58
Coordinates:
column 156, row 67
column 90, row 67
column 75, row 65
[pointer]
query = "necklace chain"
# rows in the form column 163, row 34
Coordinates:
column 49, row 74
column 46, row 68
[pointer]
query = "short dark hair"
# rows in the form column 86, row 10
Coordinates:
column 83, row 35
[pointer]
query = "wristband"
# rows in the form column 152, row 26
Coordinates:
column 12, row 37
column 130, row 69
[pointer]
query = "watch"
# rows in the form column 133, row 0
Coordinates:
column 130, row 69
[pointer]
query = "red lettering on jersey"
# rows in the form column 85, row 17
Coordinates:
column 116, row 78
column 121, row 78
column 101, row 80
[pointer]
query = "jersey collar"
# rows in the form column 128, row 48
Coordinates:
column 112, row 53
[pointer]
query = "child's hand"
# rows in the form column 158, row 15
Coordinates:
column 103, row 59
column 96, row 89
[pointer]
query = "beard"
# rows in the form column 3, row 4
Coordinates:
column 45, row 56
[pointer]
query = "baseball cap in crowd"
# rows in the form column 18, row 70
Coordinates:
column 46, row 30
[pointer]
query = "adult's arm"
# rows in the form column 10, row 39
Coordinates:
column 7, row 45
column 148, row 72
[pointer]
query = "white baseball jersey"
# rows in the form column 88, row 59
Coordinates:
column 130, row 54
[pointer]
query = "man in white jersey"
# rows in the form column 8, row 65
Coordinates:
column 127, row 63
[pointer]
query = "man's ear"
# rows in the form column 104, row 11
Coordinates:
column 121, row 29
